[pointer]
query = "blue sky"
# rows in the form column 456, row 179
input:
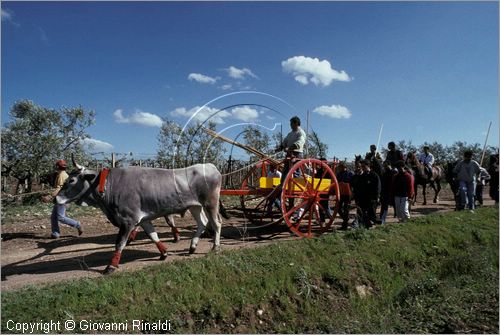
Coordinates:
column 427, row 70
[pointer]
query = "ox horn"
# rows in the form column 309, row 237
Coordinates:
column 78, row 166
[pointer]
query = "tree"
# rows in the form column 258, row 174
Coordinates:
column 177, row 148
column 256, row 138
column 278, row 139
column 316, row 147
column 38, row 136
column 171, row 146
column 205, row 148
column 458, row 148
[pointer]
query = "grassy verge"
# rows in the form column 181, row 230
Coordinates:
column 434, row 274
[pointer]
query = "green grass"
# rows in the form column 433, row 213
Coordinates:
column 434, row 274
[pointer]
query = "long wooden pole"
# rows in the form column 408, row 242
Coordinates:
column 307, row 134
column 484, row 147
column 379, row 137
column 240, row 145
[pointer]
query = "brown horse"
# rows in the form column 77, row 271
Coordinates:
column 422, row 178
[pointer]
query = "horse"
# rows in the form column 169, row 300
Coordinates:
column 422, row 178
column 453, row 182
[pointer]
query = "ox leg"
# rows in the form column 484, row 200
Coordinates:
column 150, row 230
column 133, row 235
column 121, row 242
column 197, row 214
column 170, row 221
column 213, row 219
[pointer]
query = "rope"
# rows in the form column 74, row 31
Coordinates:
column 30, row 193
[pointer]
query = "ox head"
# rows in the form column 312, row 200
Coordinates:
column 78, row 186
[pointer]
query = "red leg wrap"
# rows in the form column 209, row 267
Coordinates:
column 132, row 235
column 161, row 247
column 115, row 261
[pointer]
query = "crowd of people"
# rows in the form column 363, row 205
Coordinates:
column 391, row 181
column 394, row 184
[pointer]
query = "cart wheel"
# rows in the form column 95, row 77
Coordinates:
column 310, row 198
column 260, row 207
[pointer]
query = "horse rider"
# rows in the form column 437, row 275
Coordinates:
column 393, row 155
column 375, row 160
column 427, row 159
column 373, row 153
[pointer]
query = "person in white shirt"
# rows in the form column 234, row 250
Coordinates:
column 274, row 198
column 273, row 172
column 483, row 178
column 427, row 159
column 467, row 172
column 293, row 143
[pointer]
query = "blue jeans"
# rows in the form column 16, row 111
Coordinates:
column 59, row 215
column 467, row 192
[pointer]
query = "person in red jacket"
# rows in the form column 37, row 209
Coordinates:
column 402, row 191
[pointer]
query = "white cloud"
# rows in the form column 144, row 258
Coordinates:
column 245, row 113
column 206, row 113
column 97, row 145
column 307, row 69
column 6, row 15
column 201, row 78
column 43, row 36
column 226, row 87
column 236, row 73
column 334, row 111
column 139, row 117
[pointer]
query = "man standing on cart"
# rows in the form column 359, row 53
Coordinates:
column 293, row 145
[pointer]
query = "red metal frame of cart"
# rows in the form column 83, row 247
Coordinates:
column 307, row 200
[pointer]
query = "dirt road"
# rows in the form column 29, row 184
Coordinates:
column 30, row 257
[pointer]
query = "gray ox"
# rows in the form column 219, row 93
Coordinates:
column 134, row 196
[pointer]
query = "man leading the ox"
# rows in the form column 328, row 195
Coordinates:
column 59, row 211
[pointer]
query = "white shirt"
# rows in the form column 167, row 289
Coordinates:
column 275, row 174
column 426, row 159
column 297, row 137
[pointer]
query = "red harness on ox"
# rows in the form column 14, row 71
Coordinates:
column 102, row 180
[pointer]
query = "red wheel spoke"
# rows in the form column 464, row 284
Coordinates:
column 300, row 186
column 302, row 196
column 310, row 221
column 304, row 175
column 297, row 224
column 318, row 216
column 320, row 180
column 295, row 208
